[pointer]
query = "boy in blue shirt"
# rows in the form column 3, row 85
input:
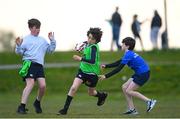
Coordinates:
column 33, row 49
column 140, row 77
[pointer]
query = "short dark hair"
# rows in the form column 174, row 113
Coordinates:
column 96, row 33
column 128, row 41
column 135, row 16
column 34, row 22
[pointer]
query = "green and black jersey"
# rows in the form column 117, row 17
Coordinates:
column 90, row 62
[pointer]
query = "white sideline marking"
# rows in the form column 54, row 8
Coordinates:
column 66, row 65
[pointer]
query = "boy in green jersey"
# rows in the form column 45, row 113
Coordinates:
column 88, row 71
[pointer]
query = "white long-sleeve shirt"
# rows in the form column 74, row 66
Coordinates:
column 34, row 48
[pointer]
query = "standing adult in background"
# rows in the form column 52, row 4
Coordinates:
column 116, row 22
column 136, row 28
column 155, row 26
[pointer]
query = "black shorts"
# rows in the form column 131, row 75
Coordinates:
column 35, row 71
column 141, row 79
column 89, row 80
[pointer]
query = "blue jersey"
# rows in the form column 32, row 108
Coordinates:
column 135, row 62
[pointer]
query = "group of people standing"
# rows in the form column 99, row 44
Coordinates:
column 116, row 23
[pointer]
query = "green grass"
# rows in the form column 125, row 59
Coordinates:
column 85, row 106
column 151, row 56
column 59, row 79
column 163, row 86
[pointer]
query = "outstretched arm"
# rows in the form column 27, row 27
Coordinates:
column 113, row 72
column 114, row 64
column 144, row 21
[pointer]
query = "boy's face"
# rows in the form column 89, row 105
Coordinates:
column 124, row 47
column 34, row 31
column 91, row 40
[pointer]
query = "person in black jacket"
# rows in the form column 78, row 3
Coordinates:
column 116, row 22
column 155, row 26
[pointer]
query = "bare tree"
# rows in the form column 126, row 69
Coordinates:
column 6, row 41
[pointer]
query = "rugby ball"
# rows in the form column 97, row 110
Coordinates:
column 80, row 46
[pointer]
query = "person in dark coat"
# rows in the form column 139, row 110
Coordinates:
column 155, row 26
column 116, row 23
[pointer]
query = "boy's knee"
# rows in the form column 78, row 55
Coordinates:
column 129, row 92
column 30, row 84
column 124, row 87
column 42, row 87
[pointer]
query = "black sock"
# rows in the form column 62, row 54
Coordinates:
column 98, row 94
column 68, row 102
column 23, row 105
column 37, row 101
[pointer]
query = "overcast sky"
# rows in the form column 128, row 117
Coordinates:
column 70, row 19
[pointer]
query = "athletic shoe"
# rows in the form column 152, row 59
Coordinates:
column 62, row 112
column 22, row 110
column 102, row 98
column 37, row 106
column 150, row 105
column 132, row 111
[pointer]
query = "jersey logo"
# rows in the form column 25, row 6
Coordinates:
column 135, row 55
column 79, row 75
column 31, row 75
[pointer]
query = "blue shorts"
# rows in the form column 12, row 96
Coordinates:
column 141, row 79
column 116, row 30
column 35, row 71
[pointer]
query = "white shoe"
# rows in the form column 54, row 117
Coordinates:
column 150, row 105
column 132, row 111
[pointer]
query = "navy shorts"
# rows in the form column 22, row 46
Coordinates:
column 141, row 79
column 89, row 80
column 35, row 71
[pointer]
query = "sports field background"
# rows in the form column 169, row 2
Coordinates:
column 163, row 85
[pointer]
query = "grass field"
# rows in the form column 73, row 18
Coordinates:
column 163, row 85
column 84, row 106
